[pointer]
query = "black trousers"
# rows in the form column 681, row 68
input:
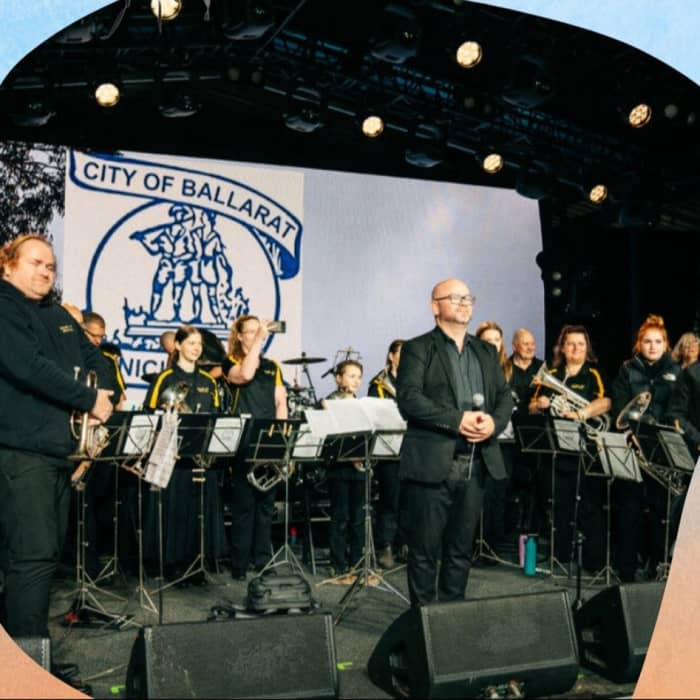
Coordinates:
column 496, row 500
column 251, row 523
column 388, row 503
column 443, row 521
column 34, row 504
column 346, row 494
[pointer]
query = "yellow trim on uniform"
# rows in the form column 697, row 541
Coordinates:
column 153, row 403
column 117, row 369
column 214, row 390
column 599, row 380
column 278, row 374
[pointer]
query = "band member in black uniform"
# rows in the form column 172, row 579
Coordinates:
column 258, row 390
column 454, row 396
column 651, row 369
column 198, row 393
column 574, row 365
column 346, row 486
column 42, row 344
column 383, row 386
column 526, row 491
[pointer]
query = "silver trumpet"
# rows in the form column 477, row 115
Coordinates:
column 567, row 400
column 267, row 475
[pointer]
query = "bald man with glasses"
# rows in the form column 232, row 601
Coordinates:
column 453, row 394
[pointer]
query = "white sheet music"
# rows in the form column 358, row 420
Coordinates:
column 161, row 461
column 616, row 457
column 308, row 444
column 226, row 436
column 140, row 434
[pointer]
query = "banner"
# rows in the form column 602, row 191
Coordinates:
column 152, row 243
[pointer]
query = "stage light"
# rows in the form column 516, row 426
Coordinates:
column 671, row 111
column 531, row 82
column 181, row 105
column 252, row 21
column 399, row 35
column 469, row 54
column 493, row 163
column 598, row 194
column 166, row 9
column 639, row 115
column 372, row 126
column 305, row 110
column 107, row 94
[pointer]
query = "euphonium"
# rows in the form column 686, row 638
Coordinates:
column 173, row 398
column 566, row 399
column 266, row 475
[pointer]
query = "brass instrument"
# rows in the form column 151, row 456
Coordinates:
column 173, row 398
column 633, row 411
column 266, row 475
column 567, row 400
column 92, row 437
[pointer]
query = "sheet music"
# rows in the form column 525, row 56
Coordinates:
column 140, row 434
column 568, row 435
column 616, row 457
column 161, row 461
column 308, row 444
column 226, row 436
column 350, row 416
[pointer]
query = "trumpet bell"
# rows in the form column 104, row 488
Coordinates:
column 267, row 475
column 633, row 410
column 173, row 398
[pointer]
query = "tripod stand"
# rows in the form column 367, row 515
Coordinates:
column 365, row 570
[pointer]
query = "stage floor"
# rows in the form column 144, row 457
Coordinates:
column 103, row 653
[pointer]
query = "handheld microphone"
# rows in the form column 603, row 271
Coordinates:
column 477, row 403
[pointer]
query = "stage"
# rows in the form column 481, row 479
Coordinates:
column 103, row 653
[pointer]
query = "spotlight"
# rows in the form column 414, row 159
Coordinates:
column 469, row 54
column 166, row 9
column 181, row 105
column 492, row 163
column 398, row 36
column 598, row 194
column 639, row 115
column 107, row 94
column 372, row 126
column 531, row 82
column 35, row 112
column 253, row 20
column 671, row 111
column 305, row 117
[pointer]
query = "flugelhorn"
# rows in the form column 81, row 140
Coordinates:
column 91, row 436
column 566, row 399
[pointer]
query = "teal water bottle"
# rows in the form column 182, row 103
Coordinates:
column 530, row 555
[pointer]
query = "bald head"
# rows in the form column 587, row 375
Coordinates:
column 447, row 286
column 523, row 346
column 452, row 304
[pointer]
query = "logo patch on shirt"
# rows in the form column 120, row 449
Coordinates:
column 202, row 390
column 66, row 328
column 669, row 377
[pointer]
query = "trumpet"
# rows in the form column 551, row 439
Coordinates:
column 566, row 400
column 92, row 437
column 267, row 475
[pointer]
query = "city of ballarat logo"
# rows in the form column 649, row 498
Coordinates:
column 178, row 264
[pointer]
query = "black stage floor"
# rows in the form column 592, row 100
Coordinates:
column 103, row 653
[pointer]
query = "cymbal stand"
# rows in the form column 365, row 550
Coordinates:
column 366, row 569
column 312, row 391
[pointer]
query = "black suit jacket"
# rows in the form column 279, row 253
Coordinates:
column 427, row 398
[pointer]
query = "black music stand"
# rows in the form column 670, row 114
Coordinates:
column 535, row 434
column 205, row 439
column 617, row 461
column 271, row 441
column 666, row 458
column 86, row 609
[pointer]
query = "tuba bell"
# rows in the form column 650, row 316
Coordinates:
column 92, row 437
column 267, row 475
column 173, row 398
column 566, row 400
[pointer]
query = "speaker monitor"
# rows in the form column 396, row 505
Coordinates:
column 614, row 629
column 276, row 656
column 37, row 648
column 469, row 648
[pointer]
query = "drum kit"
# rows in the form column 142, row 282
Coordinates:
column 301, row 397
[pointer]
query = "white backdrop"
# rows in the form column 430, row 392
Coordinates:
column 367, row 252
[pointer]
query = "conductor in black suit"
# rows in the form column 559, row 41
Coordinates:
column 454, row 396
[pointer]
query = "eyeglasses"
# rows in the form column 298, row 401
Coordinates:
column 461, row 299
column 96, row 336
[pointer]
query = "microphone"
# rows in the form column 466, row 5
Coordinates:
column 477, row 403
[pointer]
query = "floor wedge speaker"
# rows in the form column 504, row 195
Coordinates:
column 479, row 647
column 276, row 656
column 615, row 626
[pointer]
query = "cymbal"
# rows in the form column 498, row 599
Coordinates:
column 303, row 360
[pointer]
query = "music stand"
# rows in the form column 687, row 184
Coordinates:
column 618, row 461
column 271, row 441
column 204, row 438
column 666, row 458
column 535, row 435
column 369, row 430
column 86, row 608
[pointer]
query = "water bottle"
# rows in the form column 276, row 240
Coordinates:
column 293, row 536
column 530, row 555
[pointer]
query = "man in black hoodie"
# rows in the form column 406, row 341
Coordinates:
column 43, row 350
